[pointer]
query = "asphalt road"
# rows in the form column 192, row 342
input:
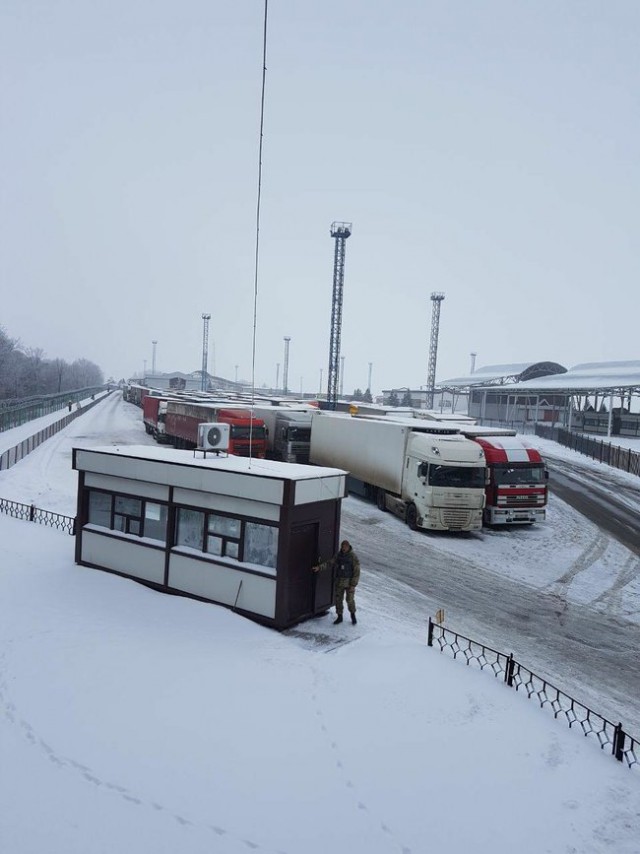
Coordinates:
column 604, row 501
column 591, row 654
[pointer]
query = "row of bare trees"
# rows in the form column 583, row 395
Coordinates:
column 24, row 371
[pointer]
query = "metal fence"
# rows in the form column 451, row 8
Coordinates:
column 578, row 716
column 605, row 452
column 18, row 452
column 31, row 513
column 14, row 413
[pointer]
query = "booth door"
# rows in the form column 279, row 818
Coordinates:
column 302, row 581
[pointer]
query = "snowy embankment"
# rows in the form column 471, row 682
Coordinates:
column 135, row 721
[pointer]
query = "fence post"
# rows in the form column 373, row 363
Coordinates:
column 430, row 635
column 32, row 512
column 618, row 743
column 508, row 671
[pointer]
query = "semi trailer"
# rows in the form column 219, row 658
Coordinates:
column 425, row 472
column 247, row 435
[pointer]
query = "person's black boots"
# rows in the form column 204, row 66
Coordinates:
column 353, row 617
column 337, row 620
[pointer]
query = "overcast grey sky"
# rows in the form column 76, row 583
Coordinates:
column 488, row 150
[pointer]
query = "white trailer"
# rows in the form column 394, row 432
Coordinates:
column 425, row 472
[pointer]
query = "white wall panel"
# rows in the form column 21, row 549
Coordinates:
column 127, row 486
column 227, row 504
column 124, row 555
column 319, row 489
column 221, row 583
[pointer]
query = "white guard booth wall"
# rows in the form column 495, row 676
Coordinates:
column 238, row 532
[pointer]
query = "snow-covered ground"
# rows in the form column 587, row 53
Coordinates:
column 135, row 721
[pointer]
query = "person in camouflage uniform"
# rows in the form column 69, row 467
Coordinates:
column 346, row 575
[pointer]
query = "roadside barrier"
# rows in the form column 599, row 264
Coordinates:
column 605, row 452
column 18, row 411
column 18, row 452
column 609, row 736
column 31, row 513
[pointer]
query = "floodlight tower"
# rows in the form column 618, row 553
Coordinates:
column 205, row 350
column 340, row 231
column 285, row 368
column 436, row 299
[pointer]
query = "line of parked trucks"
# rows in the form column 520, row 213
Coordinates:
column 435, row 474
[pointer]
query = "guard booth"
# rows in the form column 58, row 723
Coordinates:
column 238, row 532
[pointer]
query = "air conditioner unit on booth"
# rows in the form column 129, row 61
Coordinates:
column 213, row 437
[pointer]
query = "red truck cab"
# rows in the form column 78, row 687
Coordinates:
column 517, row 491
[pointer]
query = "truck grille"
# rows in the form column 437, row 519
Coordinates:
column 456, row 519
column 534, row 500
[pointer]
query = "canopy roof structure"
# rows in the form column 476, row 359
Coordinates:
column 589, row 378
column 503, row 374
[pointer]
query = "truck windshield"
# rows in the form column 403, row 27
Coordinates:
column 514, row 474
column 299, row 434
column 457, row 476
column 243, row 433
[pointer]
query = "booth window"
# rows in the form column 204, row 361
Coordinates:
column 134, row 516
column 260, row 544
column 225, row 536
column 190, row 528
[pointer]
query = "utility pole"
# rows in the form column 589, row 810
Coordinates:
column 370, row 370
column 205, row 350
column 436, row 300
column 277, row 374
column 153, row 357
column 340, row 232
column 285, row 370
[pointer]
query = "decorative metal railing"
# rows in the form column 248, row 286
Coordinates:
column 31, row 513
column 516, row 675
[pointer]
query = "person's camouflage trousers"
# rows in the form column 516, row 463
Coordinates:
column 342, row 589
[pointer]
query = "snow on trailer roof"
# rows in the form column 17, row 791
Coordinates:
column 228, row 463
column 419, row 425
column 480, row 431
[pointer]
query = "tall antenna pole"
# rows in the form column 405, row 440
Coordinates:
column 340, row 231
column 153, row 357
column 436, row 299
column 205, row 350
column 285, row 369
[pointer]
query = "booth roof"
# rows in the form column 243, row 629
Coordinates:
column 230, row 463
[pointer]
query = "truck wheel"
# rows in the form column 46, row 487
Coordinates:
column 411, row 517
column 380, row 499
